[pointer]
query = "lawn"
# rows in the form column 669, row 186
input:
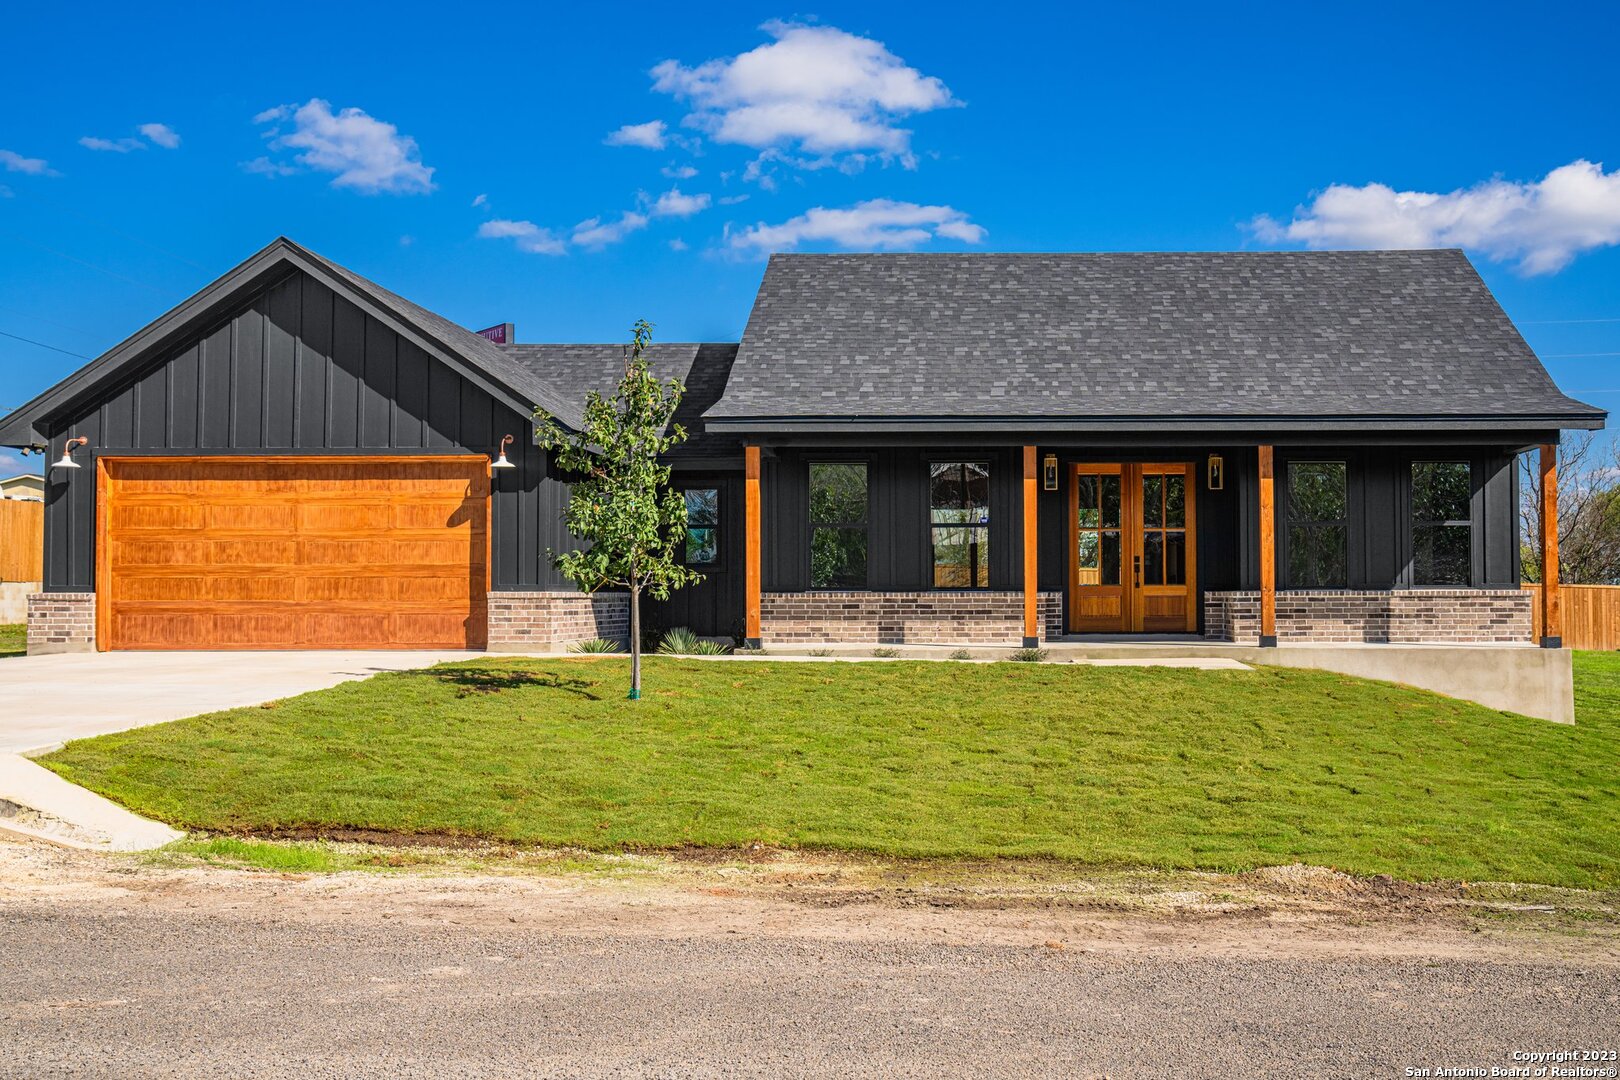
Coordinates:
column 1160, row 767
column 13, row 639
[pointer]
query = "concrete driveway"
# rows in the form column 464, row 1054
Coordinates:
column 48, row 700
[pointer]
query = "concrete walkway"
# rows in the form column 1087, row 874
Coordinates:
column 36, row 803
column 49, row 700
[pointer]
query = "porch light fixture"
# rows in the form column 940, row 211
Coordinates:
column 1217, row 473
column 67, row 461
column 501, row 462
column 1049, row 472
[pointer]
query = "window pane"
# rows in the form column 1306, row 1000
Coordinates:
column 702, row 546
column 1109, row 571
column 702, row 506
column 1316, row 491
column 837, row 558
column 1089, row 553
column 1089, row 499
column 1316, row 556
column 838, row 492
column 1175, row 558
column 1440, row 491
column 1301, row 557
column 1153, row 501
column 1175, row 501
column 1440, row 554
column 1153, row 558
column 1110, row 501
column 961, row 558
column 1331, row 558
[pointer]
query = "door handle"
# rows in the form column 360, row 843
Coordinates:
column 1136, row 561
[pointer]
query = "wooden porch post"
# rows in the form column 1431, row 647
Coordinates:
column 1268, row 550
column 1032, row 630
column 1552, row 621
column 751, row 529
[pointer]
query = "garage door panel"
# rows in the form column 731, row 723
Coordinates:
column 255, row 554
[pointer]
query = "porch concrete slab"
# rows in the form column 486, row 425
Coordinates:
column 36, row 803
column 50, row 700
column 1200, row 663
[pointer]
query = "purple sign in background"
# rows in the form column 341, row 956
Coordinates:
column 500, row 333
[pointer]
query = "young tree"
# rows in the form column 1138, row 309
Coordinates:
column 621, row 502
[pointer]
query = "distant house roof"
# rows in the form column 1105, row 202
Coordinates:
column 31, row 485
column 1395, row 339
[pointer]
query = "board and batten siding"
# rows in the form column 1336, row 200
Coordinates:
column 299, row 368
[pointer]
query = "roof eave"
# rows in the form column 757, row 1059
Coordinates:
column 1106, row 425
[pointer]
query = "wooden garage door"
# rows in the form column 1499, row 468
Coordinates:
column 288, row 553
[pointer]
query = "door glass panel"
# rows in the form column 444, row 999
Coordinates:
column 1110, row 502
column 1088, row 552
column 1175, row 501
column 1175, row 558
column 1153, row 558
column 1088, row 499
column 1108, row 573
column 1153, row 501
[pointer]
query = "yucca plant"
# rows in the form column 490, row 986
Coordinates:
column 1029, row 656
column 681, row 641
column 597, row 645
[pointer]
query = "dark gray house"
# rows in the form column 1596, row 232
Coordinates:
column 960, row 448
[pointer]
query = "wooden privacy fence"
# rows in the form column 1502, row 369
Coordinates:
column 22, row 540
column 1591, row 615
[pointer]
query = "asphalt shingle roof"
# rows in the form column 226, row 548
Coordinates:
column 1261, row 334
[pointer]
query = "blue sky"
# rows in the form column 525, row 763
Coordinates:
column 574, row 170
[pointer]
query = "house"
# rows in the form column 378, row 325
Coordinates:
column 26, row 486
column 940, row 448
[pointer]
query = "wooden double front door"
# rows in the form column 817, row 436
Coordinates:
column 293, row 553
column 1132, row 548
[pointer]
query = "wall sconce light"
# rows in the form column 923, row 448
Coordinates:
column 67, row 461
column 501, row 462
column 1217, row 472
column 1049, row 473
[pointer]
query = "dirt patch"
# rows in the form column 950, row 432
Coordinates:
column 377, row 837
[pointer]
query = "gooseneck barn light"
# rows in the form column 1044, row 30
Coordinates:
column 501, row 462
column 67, row 461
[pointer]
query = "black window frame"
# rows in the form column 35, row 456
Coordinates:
column 1312, row 527
column 1415, row 523
column 864, row 525
column 714, row 527
column 988, row 464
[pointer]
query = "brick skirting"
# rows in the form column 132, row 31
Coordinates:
column 903, row 618
column 1395, row 616
column 60, row 622
column 519, row 621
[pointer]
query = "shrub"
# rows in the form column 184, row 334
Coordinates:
column 1029, row 656
column 681, row 641
column 597, row 645
column 961, row 654
column 885, row 653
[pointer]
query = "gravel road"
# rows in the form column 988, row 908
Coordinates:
column 127, row 993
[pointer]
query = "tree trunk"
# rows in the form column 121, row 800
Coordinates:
column 635, row 643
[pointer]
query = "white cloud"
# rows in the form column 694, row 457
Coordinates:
column 1542, row 224
column 161, row 135
column 677, row 244
column 263, row 166
column 116, row 146
column 649, row 136
column 363, row 153
column 480, row 200
column 33, row 166
column 275, row 112
column 592, row 233
column 815, row 87
column 525, row 234
column 674, row 204
column 876, row 223
column 679, row 172
column 732, row 200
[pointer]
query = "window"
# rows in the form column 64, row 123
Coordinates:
column 1098, row 525
column 1442, row 523
column 1318, row 519
column 838, row 525
column 702, row 526
column 1164, row 528
column 959, row 520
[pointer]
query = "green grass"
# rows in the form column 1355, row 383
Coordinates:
column 1168, row 768
column 13, row 639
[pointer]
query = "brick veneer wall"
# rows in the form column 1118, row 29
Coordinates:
column 544, row 620
column 910, row 618
column 1397, row 616
column 61, row 622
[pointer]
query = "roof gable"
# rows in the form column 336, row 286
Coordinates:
column 475, row 358
column 1405, row 336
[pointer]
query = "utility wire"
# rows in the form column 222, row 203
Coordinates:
column 1576, row 355
column 42, row 345
column 1561, row 322
column 91, row 265
column 111, row 228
